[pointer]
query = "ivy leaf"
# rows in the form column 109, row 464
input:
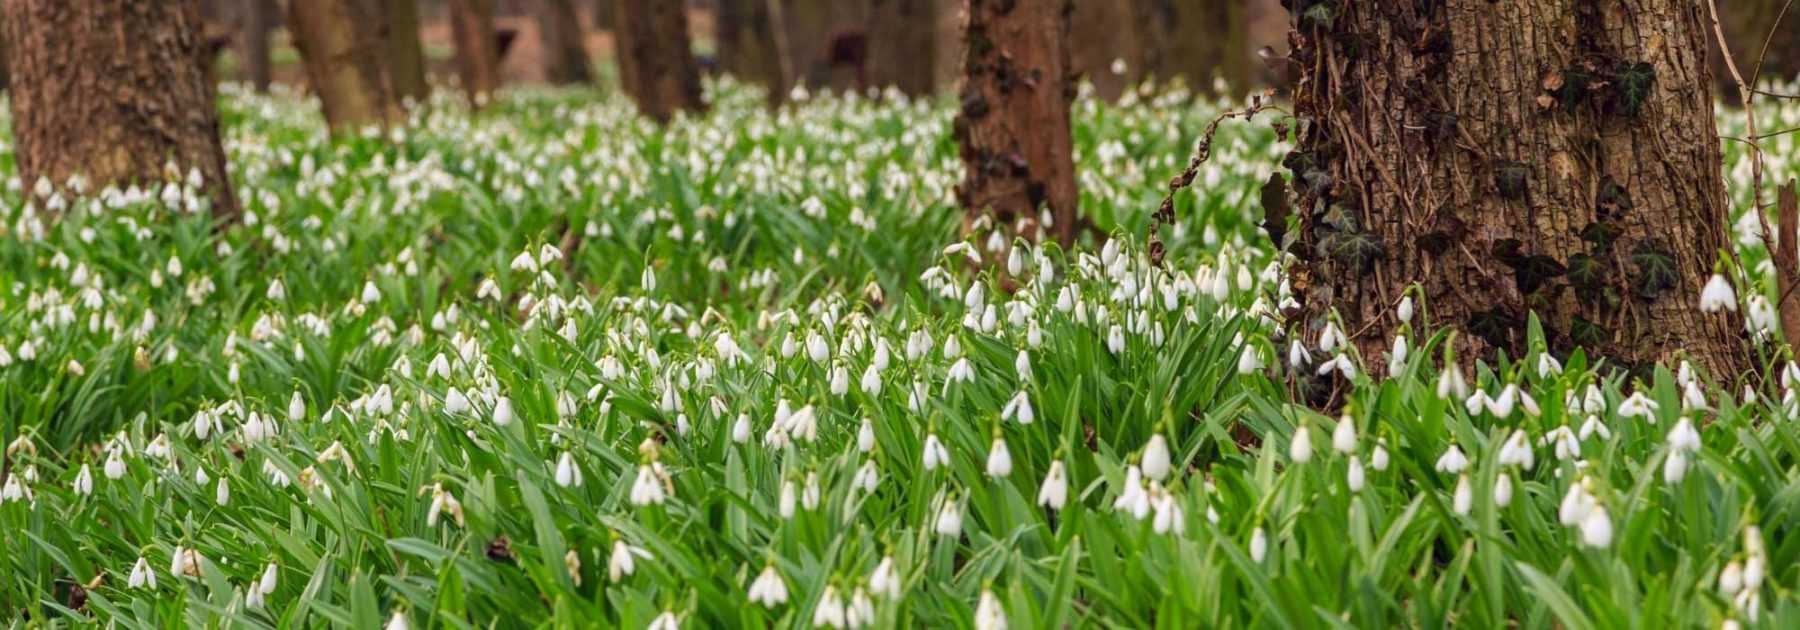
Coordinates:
column 1586, row 271
column 1632, row 83
column 1601, row 234
column 1534, row 271
column 1351, row 248
column 1320, row 14
column 1613, row 200
column 1494, row 326
column 1512, row 179
column 1656, row 270
column 1586, row 333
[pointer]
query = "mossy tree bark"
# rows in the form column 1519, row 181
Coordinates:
column 341, row 46
column 565, row 55
column 477, row 48
column 1013, row 127
column 903, row 45
column 405, row 51
column 1507, row 158
column 751, row 43
column 82, row 104
column 656, row 63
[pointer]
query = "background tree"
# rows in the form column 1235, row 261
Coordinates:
column 1535, row 155
column 405, row 52
column 1013, row 128
column 565, row 54
column 341, row 45
column 1750, row 23
column 82, row 104
column 827, row 41
column 258, row 21
column 1100, row 34
column 1195, row 40
column 903, row 45
column 751, row 44
column 656, row 65
column 477, row 47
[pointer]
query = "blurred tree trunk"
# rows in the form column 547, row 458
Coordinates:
column 1013, row 128
column 656, row 63
column 477, row 51
column 1509, row 158
column 826, row 41
column 84, row 105
column 405, row 52
column 903, row 45
column 565, row 55
column 750, row 44
column 259, row 19
column 1101, row 33
column 604, row 12
column 341, row 46
column 1748, row 24
column 1196, row 40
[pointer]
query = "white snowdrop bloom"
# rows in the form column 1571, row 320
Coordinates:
column 1683, row 437
column 14, row 490
column 648, row 279
column 1564, row 445
column 1529, row 404
column 503, row 411
column 647, row 488
column 1156, row 461
column 1115, row 339
column 1405, row 310
column 1593, row 426
column 865, row 437
column 1517, row 450
column 867, row 477
column 1731, row 579
column 1452, row 461
column 840, row 381
column 1754, row 571
column 623, row 561
column 370, row 294
column 1596, row 528
column 1502, row 406
column 84, row 481
column 568, row 475
column 1133, row 499
column 1065, row 299
column 871, row 381
column 1503, row 490
column 455, row 402
column 1760, row 316
column 1022, row 365
column 949, row 519
column 1548, row 366
column 1300, row 446
column 270, row 576
column 1379, row 459
column 1638, row 406
column 1464, row 496
column 952, row 347
column 830, row 610
column 960, row 372
column 142, row 576
column 988, row 614
column 789, row 347
column 999, row 462
column 1675, row 467
column 397, row 621
column 1018, row 408
column 1593, row 400
column 768, row 589
column 1477, row 402
column 1339, row 363
column 1451, row 383
column 1259, row 545
column 810, row 493
column 222, row 493
column 1054, row 492
column 1331, row 338
column 885, row 579
column 740, row 429
column 115, row 466
column 1692, row 397
column 935, row 453
column 816, row 348
column 296, row 408
column 1250, row 360
column 1343, row 438
column 788, row 500
column 1353, row 475
column 442, row 502
column 861, row 610
column 1717, row 295
column 1297, row 355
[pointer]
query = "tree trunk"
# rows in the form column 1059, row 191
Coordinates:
column 903, row 45
column 405, row 53
column 341, row 46
column 656, row 66
column 1013, row 128
column 258, row 21
column 1533, row 155
column 1748, row 24
column 83, row 104
column 1195, row 40
column 1101, row 33
column 477, row 51
column 750, row 44
column 565, row 55
column 826, row 41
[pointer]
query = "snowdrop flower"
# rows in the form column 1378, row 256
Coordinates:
column 999, row 463
column 296, row 408
column 1451, row 383
column 871, row 381
column 665, row 621
column 1477, row 402
column 1300, row 447
column 455, row 402
column 1692, row 397
column 1397, row 357
column 503, row 411
column 142, row 576
column 830, row 611
column 623, row 561
column 1638, row 406
column 1717, row 295
column 1517, row 450
column 1353, row 476
column 867, row 477
column 949, row 518
column 865, row 437
column 647, row 489
column 1593, row 401
column 1683, row 437
column 1675, row 467
column 1503, row 490
column 1259, row 545
column 1565, row 446
column 397, row 622
column 861, row 611
column 769, row 589
column 1330, row 339
column 84, row 481
column 442, row 502
column 1575, row 504
column 1464, row 497
column 222, row 493
column 960, row 372
column 1548, row 366
column 1022, row 365
column 885, row 580
column 1343, row 438
column 1018, row 408
column 1452, row 461
column 809, row 497
column 370, row 294
column 1405, row 310
column 568, row 475
column 1054, row 492
column 1341, row 364
column 1596, row 528
column 1502, row 406
column 988, row 614
column 1115, row 339
column 115, row 466
column 816, row 349
column 1155, row 462
column 1731, row 579
column 1133, row 499
column 1297, row 356
column 788, row 499
column 935, row 453
column 1379, row 459
column 271, row 574
column 1593, row 426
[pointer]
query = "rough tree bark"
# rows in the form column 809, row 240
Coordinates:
column 656, row 65
column 1195, row 40
column 341, row 45
column 84, row 105
column 259, row 20
column 477, row 51
column 405, row 52
column 903, row 45
column 1532, row 155
column 565, row 56
column 750, row 44
column 1013, row 126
